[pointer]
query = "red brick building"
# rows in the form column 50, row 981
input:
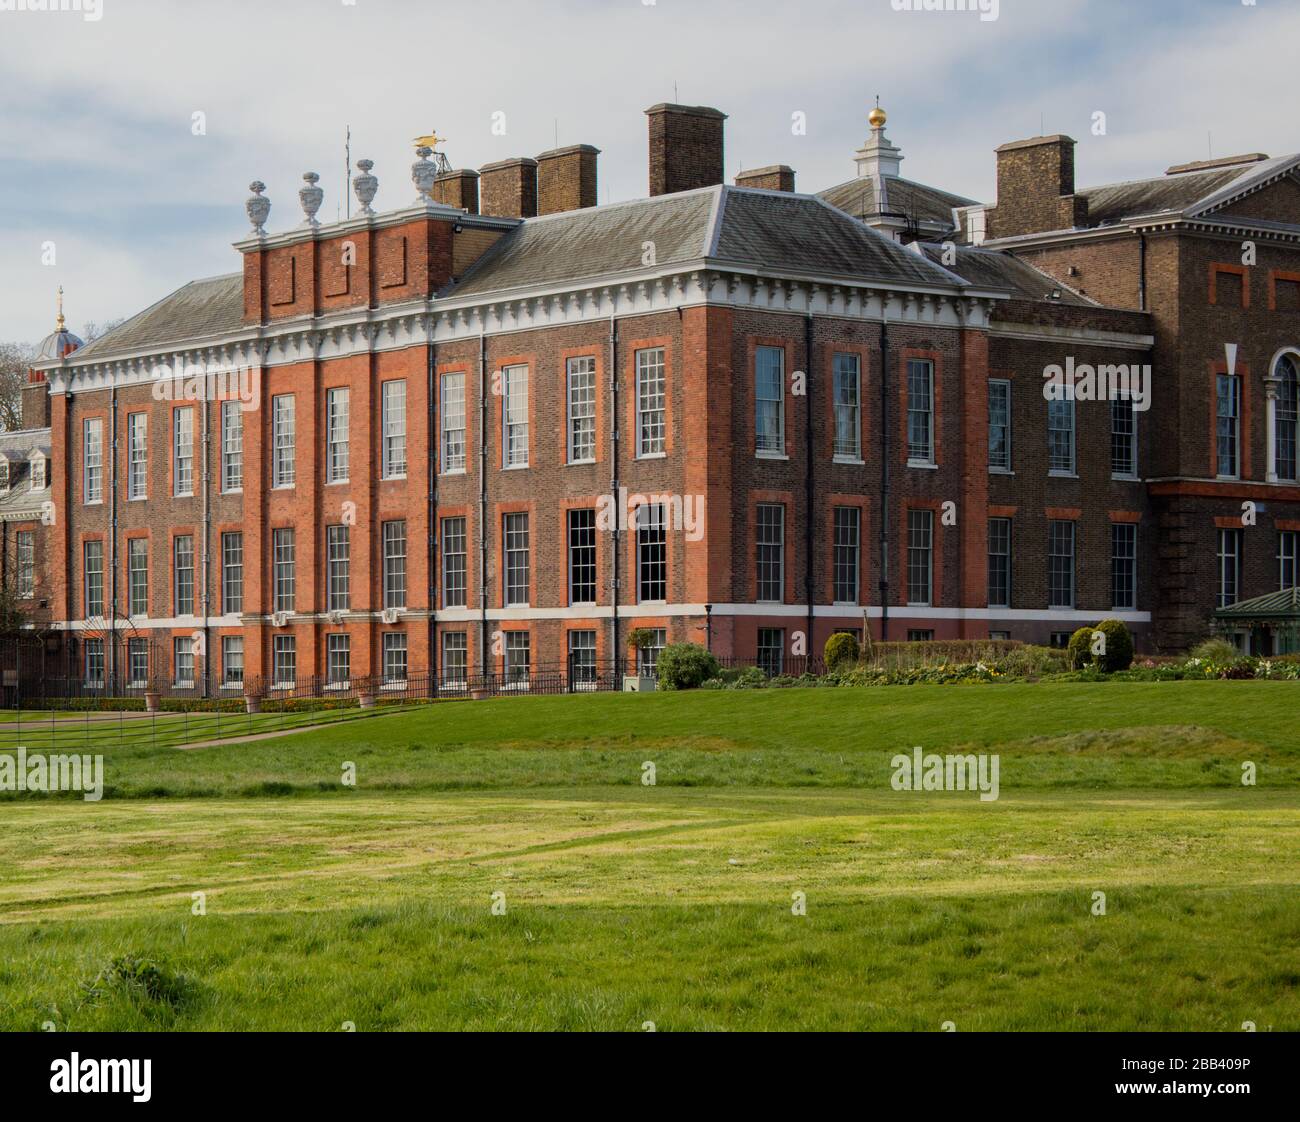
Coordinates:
column 419, row 439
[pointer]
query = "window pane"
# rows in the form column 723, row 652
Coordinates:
column 232, row 446
column 650, row 399
column 337, row 407
column 920, row 556
column 93, row 460
column 999, row 562
column 1000, row 425
column 284, row 563
column 848, row 406
column 1123, row 565
column 769, row 396
column 453, row 563
column 454, row 656
column 847, row 561
column 283, row 439
column 232, row 573
column 1060, row 565
column 515, row 408
column 1123, row 437
column 394, row 425
column 394, row 564
column 137, row 456
column 1228, row 408
column 183, row 451
column 1060, row 436
column 920, row 411
column 582, row 556
column 183, row 575
column 582, row 409
column 771, row 651
column 338, row 568
column 651, row 553
column 770, row 546
column 516, row 541
column 453, row 422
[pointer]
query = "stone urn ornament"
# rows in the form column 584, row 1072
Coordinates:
column 311, row 197
column 365, row 185
column 423, row 172
column 257, row 208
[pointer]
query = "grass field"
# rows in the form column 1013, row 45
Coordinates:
column 373, row 904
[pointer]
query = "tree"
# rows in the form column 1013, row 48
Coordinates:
column 94, row 330
column 15, row 361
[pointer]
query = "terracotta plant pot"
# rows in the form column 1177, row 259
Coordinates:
column 152, row 702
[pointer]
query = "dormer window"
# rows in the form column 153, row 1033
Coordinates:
column 38, row 472
column 4, row 474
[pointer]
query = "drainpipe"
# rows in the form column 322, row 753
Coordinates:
column 886, row 452
column 1142, row 272
column 809, row 489
column 613, row 486
column 112, row 517
column 431, row 544
column 207, row 532
column 482, row 503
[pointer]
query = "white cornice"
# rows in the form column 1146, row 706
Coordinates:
column 397, row 327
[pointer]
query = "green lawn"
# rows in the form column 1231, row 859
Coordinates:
column 672, row 904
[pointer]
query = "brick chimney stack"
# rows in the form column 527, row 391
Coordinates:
column 1036, row 188
column 508, row 188
column 458, row 189
column 566, row 179
column 777, row 177
column 685, row 147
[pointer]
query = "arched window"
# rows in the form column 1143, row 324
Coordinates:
column 1286, row 415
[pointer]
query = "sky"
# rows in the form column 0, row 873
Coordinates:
column 114, row 188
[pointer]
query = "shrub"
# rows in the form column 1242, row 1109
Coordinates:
column 1031, row 662
column 1119, row 646
column 1080, row 648
column 1217, row 651
column 685, row 666
column 841, row 652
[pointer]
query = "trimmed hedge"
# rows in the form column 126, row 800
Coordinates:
column 686, row 666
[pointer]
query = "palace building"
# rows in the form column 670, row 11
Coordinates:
column 500, row 426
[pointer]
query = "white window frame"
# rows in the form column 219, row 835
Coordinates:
column 284, row 440
column 1004, row 385
column 92, row 460
column 338, row 447
column 847, row 411
column 514, row 431
column 651, row 403
column 392, row 408
column 769, row 445
column 452, row 402
column 580, row 396
column 183, row 452
column 232, row 448
column 137, row 456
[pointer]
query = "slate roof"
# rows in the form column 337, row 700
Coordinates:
column 991, row 268
column 20, row 500
column 775, row 231
column 918, row 201
column 200, row 310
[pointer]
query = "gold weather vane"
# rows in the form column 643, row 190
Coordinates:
column 430, row 141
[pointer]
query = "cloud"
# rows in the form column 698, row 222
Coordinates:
column 109, row 165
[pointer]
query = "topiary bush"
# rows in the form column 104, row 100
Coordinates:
column 1119, row 646
column 1080, row 648
column 841, row 652
column 685, row 666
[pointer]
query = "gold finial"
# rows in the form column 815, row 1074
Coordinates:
column 430, row 141
column 877, row 117
column 61, row 323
